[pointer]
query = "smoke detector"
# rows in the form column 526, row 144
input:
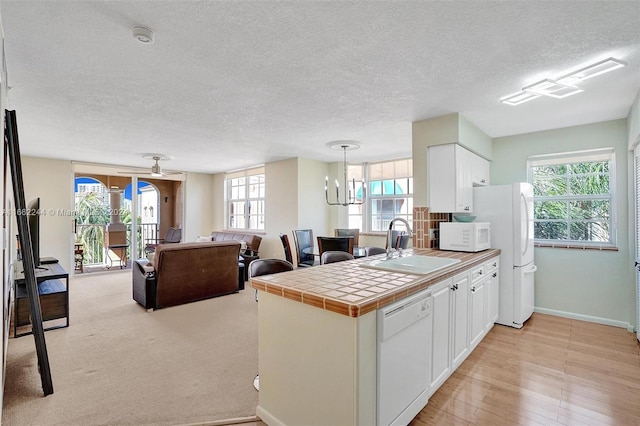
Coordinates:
column 143, row 34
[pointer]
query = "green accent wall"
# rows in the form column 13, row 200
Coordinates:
column 597, row 284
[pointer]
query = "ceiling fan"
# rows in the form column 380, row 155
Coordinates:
column 156, row 169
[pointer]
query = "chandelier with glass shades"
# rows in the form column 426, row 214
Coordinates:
column 349, row 196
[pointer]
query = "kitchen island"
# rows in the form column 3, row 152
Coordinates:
column 317, row 336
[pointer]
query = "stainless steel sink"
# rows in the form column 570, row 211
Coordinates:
column 420, row 265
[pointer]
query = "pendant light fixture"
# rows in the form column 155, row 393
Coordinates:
column 349, row 196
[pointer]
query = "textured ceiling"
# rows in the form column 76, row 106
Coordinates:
column 227, row 85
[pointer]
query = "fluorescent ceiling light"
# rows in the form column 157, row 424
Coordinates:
column 518, row 98
column 552, row 88
column 593, row 70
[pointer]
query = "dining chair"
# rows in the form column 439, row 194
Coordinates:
column 335, row 244
column 287, row 247
column 173, row 235
column 303, row 240
column 372, row 250
column 265, row 267
column 402, row 241
column 335, row 256
column 394, row 239
column 348, row 232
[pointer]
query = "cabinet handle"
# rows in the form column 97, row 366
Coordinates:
column 495, row 274
column 473, row 289
column 480, row 272
column 495, row 264
column 466, row 209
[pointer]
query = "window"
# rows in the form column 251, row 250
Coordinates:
column 573, row 197
column 246, row 199
column 389, row 194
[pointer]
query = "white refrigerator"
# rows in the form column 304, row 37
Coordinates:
column 509, row 209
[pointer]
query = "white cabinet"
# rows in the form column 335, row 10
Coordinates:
column 460, row 318
column 452, row 172
column 484, row 298
column 449, row 174
column 450, row 316
column 480, row 171
column 464, row 308
column 441, row 335
column 492, row 292
column 477, row 312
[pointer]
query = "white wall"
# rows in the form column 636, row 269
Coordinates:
column 198, row 204
column 218, row 202
column 633, row 122
column 52, row 181
column 313, row 211
column 6, row 247
column 282, row 206
column 586, row 282
column 474, row 139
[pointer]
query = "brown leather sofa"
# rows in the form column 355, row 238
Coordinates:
column 183, row 273
column 251, row 253
column 253, row 241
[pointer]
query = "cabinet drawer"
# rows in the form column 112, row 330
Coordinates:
column 491, row 266
column 477, row 273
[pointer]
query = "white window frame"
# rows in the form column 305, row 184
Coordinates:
column 254, row 193
column 566, row 158
column 367, row 207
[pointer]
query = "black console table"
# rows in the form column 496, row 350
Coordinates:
column 53, row 290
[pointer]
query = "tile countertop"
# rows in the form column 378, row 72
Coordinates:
column 349, row 289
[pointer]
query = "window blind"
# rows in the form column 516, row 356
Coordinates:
column 245, row 172
column 594, row 155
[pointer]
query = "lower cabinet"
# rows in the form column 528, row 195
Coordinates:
column 464, row 309
column 460, row 319
column 477, row 310
column 441, row 333
column 491, row 293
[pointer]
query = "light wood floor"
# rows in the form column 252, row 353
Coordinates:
column 553, row 371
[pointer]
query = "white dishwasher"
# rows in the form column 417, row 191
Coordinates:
column 403, row 359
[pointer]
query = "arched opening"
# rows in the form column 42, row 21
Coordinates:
column 91, row 219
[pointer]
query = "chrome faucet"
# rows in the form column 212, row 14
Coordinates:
column 389, row 244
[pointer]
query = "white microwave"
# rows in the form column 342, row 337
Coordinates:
column 465, row 236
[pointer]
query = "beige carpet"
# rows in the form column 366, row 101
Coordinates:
column 118, row 364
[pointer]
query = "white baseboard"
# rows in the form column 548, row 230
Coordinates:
column 267, row 417
column 588, row 318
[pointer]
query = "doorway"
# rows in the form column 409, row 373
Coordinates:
column 104, row 223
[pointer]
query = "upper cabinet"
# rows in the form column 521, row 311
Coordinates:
column 479, row 170
column 453, row 171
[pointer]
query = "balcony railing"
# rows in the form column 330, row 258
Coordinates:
column 93, row 238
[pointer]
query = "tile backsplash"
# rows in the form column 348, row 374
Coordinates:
column 426, row 227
